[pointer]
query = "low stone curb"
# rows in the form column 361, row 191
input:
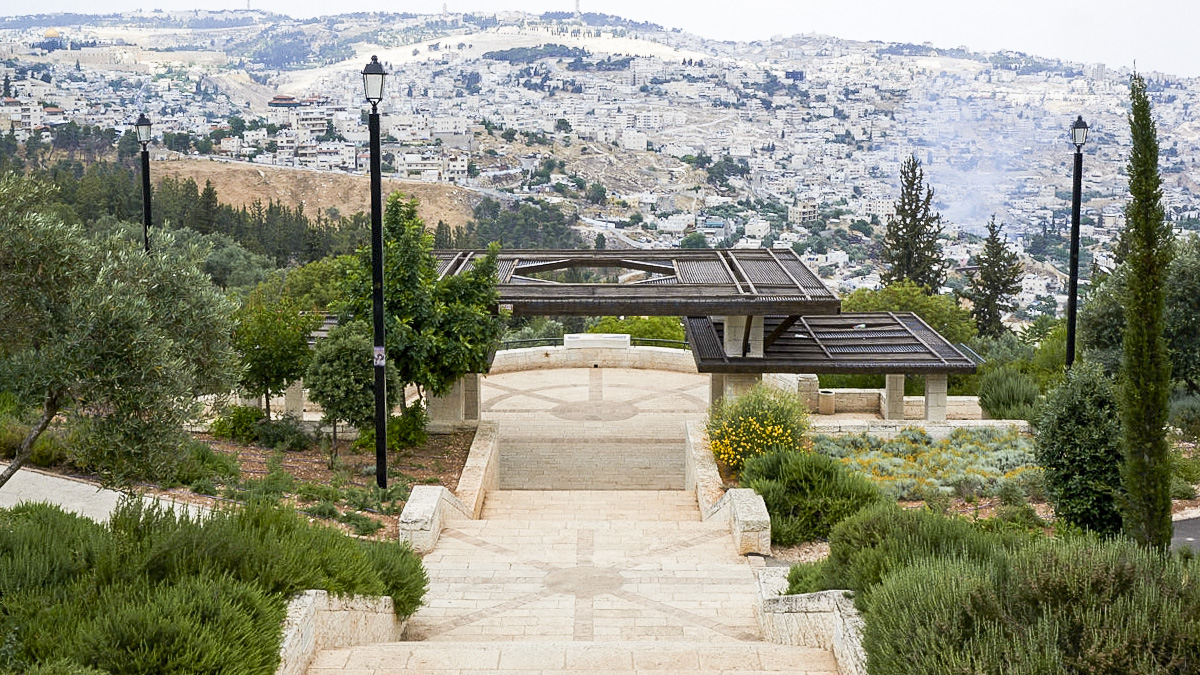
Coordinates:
column 481, row 473
column 825, row 620
column 317, row 620
column 891, row 428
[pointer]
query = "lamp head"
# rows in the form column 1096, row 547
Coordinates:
column 142, row 127
column 1079, row 132
column 373, row 76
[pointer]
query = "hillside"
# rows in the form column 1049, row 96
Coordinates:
column 240, row 184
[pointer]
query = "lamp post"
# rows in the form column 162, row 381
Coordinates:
column 373, row 76
column 142, row 127
column 1079, row 131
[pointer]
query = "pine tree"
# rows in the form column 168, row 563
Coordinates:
column 992, row 287
column 910, row 244
column 1145, row 382
column 442, row 238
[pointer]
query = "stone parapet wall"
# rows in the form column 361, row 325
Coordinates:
column 641, row 358
column 890, row 428
column 825, row 620
column 317, row 620
column 745, row 510
column 481, row 473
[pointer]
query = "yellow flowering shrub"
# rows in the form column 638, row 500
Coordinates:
column 749, row 425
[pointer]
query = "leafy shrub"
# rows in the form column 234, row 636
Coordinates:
column 400, row 571
column 237, row 423
column 202, row 462
column 50, row 449
column 806, row 494
column 203, row 486
column 364, row 526
column 12, row 433
column 879, row 539
column 406, row 430
column 318, row 492
column 1185, row 416
column 323, row 509
column 1077, row 434
column 912, row 465
column 1008, row 394
column 284, row 434
column 198, row 625
column 760, row 419
column 1074, row 605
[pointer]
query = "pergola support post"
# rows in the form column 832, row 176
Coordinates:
column 893, row 397
column 935, row 397
column 458, row 410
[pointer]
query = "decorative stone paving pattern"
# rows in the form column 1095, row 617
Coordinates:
column 593, row 429
column 524, row 574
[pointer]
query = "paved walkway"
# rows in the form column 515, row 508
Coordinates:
column 76, row 496
column 556, row 579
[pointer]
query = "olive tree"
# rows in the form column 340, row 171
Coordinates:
column 116, row 342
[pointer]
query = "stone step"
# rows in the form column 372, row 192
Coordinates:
column 461, row 658
column 591, row 505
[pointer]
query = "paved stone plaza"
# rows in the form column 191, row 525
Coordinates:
column 591, row 557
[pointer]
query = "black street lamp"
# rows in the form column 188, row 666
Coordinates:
column 1079, row 131
column 142, row 127
column 373, row 76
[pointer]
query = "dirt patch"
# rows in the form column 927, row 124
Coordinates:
column 239, row 184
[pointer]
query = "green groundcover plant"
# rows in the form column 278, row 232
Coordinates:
column 969, row 462
column 154, row 591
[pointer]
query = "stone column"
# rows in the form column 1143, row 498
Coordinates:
column 808, row 388
column 472, row 404
column 735, row 330
column 458, row 410
column 293, row 399
column 736, row 385
column 935, row 397
column 716, row 387
column 893, row 397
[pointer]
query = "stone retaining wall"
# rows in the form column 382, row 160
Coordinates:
column 890, row 428
column 825, row 620
column 642, row 358
column 481, row 473
column 744, row 509
column 317, row 620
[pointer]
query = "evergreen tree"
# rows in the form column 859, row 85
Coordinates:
column 271, row 337
column 601, row 242
column 992, row 287
column 7, row 87
column 1145, row 383
column 442, row 238
column 910, row 243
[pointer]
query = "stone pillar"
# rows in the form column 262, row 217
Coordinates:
column 458, row 409
column 472, row 403
column 807, row 388
column 735, row 330
column 293, row 399
column 716, row 387
column 935, row 397
column 893, row 398
column 736, row 385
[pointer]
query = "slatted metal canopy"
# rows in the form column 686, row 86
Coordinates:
column 676, row 282
column 876, row 342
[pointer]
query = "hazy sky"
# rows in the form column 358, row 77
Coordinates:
column 1161, row 35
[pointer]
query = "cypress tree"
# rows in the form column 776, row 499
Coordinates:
column 910, row 243
column 442, row 238
column 992, row 287
column 1145, row 382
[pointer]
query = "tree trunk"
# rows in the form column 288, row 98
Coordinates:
column 49, row 410
column 267, row 404
column 333, row 448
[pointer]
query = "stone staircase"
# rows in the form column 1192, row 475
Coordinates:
column 590, row 581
